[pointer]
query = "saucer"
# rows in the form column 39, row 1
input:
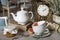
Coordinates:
column 45, row 33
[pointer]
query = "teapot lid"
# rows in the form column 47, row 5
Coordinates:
column 22, row 10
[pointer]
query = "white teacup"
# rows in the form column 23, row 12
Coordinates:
column 38, row 29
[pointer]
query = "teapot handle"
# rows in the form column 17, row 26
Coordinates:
column 31, row 14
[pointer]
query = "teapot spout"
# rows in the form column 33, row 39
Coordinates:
column 14, row 17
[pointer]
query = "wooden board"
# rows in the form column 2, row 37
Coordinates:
column 22, row 27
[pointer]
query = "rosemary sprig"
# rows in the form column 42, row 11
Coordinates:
column 55, row 6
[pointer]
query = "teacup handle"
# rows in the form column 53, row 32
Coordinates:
column 31, row 14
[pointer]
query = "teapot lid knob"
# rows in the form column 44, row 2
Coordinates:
column 22, row 8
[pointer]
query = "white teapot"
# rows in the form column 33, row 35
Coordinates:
column 22, row 16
